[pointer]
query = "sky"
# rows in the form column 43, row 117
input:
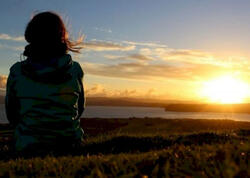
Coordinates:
column 160, row 49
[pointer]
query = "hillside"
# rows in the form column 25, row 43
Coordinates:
column 140, row 148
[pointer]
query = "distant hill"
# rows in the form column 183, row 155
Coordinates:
column 229, row 108
column 2, row 96
column 110, row 101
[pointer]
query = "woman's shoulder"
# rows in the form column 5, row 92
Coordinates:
column 77, row 68
column 15, row 69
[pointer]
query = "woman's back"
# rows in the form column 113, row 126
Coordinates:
column 48, row 103
column 45, row 96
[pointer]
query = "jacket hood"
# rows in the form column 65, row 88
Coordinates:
column 54, row 70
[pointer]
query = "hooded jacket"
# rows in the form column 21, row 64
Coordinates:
column 44, row 102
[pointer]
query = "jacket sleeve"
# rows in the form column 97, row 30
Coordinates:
column 81, row 101
column 11, row 102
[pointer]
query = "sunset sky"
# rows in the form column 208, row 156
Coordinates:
column 164, row 49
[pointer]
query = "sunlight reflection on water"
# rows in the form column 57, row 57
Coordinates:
column 141, row 112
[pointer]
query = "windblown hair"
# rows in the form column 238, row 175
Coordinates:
column 48, row 38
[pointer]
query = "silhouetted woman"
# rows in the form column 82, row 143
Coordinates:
column 45, row 96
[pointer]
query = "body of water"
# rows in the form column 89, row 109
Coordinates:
column 141, row 112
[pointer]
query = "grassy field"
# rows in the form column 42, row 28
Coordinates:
column 149, row 147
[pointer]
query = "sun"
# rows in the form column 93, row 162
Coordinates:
column 225, row 89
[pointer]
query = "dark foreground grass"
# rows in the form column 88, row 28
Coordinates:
column 140, row 148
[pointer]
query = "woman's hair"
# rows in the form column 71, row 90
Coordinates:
column 47, row 37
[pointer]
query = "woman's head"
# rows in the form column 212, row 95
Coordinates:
column 48, row 37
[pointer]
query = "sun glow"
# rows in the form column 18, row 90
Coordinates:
column 225, row 89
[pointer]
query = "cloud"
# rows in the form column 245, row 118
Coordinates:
column 106, row 46
column 152, row 61
column 4, row 36
column 98, row 90
column 146, row 52
column 142, row 71
column 149, row 44
column 179, row 56
column 152, row 51
column 184, row 55
column 113, row 57
column 106, row 30
column 193, row 53
column 14, row 48
column 137, row 57
column 140, row 57
column 3, row 81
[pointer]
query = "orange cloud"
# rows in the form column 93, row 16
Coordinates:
column 160, row 53
column 183, row 55
column 106, row 46
column 142, row 71
column 98, row 90
column 137, row 57
column 148, row 44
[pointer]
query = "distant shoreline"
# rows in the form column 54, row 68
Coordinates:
column 219, row 108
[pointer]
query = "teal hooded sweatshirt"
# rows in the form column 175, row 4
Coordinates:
column 44, row 102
